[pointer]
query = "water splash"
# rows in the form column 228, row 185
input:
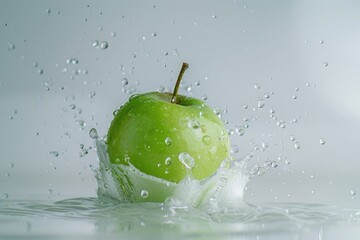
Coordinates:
column 223, row 191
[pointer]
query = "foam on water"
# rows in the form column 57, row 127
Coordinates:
column 223, row 191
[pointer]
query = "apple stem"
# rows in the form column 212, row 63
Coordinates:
column 177, row 84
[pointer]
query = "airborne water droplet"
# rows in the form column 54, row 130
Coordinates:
column 93, row 133
column 261, row 103
column 54, row 153
column 297, row 145
column 322, row 141
column 125, row 81
column 104, row 45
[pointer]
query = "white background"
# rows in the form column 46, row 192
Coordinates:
column 231, row 46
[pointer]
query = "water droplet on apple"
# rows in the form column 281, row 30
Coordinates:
column 104, row 45
column 133, row 96
column 144, row 194
column 115, row 112
column 194, row 124
column 93, row 133
column 206, row 139
column 168, row 141
column 168, row 161
column 186, row 160
column 322, row 141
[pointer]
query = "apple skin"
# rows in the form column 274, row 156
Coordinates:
column 149, row 129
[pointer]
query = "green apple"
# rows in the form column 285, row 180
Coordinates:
column 168, row 136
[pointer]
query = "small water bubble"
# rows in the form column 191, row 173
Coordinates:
column 113, row 34
column 144, row 194
column 168, row 161
column 197, row 83
column 54, row 153
column 292, row 138
column 50, row 191
column 204, row 98
column 48, row 11
column 294, row 97
column 245, row 106
column 297, row 145
column 257, row 86
column 82, row 146
column 186, row 160
column 93, row 133
column 125, row 81
column 5, row 195
column 326, row 64
column 40, row 71
column 168, row 141
column 321, row 41
column 194, row 124
column 154, row 34
column 104, row 45
column 352, row 192
column 322, row 141
column 214, row 16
